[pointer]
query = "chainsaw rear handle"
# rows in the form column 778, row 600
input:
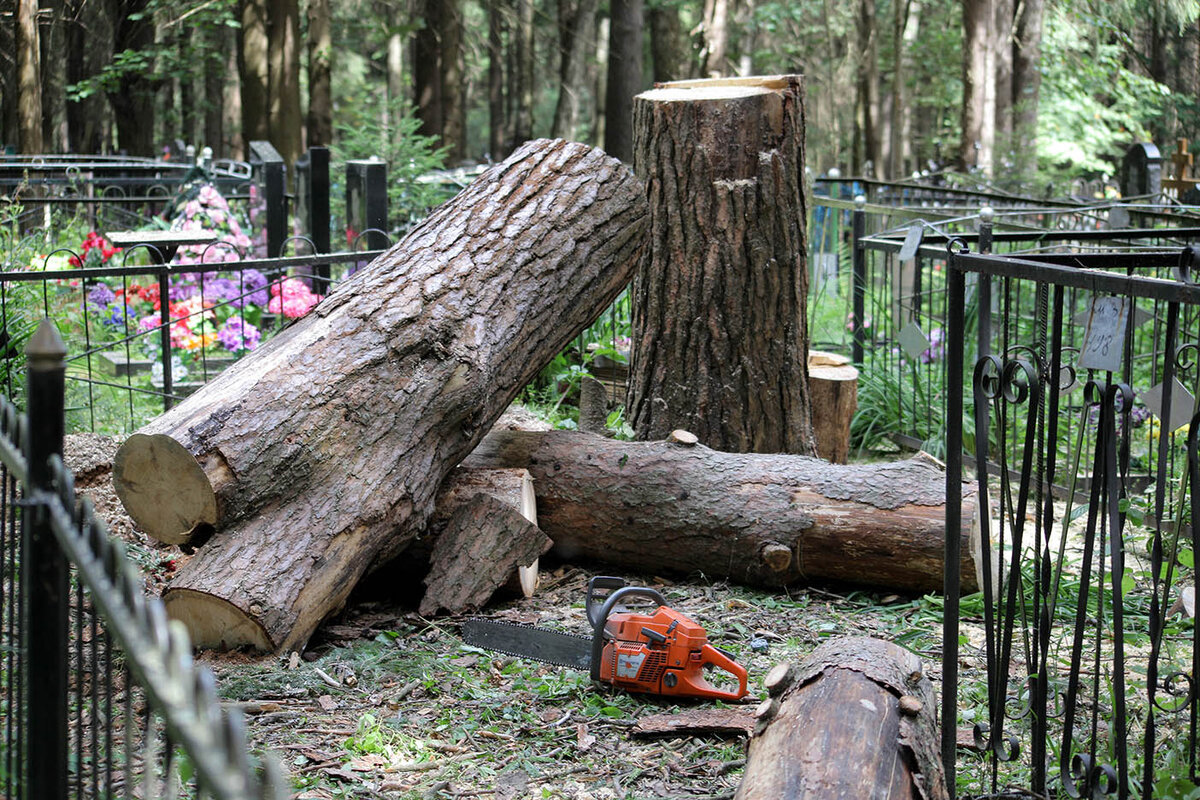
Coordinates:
column 598, row 613
column 691, row 681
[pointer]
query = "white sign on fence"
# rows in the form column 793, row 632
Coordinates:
column 1104, row 337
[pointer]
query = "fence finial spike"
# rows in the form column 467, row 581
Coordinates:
column 46, row 345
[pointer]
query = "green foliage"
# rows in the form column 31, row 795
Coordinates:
column 1092, row 105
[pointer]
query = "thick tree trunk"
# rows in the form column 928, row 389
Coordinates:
column 764, row 520
column 283, row 42
column 855, row 721
column 323, row 450
column 255, row 72
column 29, row 79
column 624, row 77
column 522, row 73
column 720, row 338
column 666, row 44
column 971, row 149
column 1001, row 48
column 1027, row 83
column 454, row 107
column 497, row 118
column 320, row 73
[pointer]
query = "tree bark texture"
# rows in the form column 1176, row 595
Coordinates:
column 855, row 721
column 720, row 338
column 762, row 520
column 324, row 449
column 1027, row 82
column 624, row 77
column 833, row 384
column 480, row 548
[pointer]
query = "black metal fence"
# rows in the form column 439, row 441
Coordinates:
column 99, row 694
column 1087, row 648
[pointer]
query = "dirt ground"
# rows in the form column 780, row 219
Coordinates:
column 384, row 703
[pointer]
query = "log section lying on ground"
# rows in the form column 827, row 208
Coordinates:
column 324, row 449
column 767, row 520
column 856, row 720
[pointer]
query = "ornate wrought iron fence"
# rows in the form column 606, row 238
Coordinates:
column 1090, row 664
column 99, row 693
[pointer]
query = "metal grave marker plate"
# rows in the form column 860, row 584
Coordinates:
column 1104, row 336
column 1182, row 404
column 912, row 240
column 913, row 340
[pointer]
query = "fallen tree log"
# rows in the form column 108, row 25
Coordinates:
column 759, row 519
column 321, row 452
column 856, row 720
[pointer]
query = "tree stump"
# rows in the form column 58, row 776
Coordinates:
column 720, row 338
column 833, row 386
column 857, row 720
column 324, row 449
column 760, row 519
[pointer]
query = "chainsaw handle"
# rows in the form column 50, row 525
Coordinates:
column 693, row 684
column 600, row 617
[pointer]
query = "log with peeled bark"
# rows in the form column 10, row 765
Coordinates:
column 855, row 721
column 321, row 453
column 759, row 519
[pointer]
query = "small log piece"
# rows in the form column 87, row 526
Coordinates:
column 833, row 387
column 855, row 721
column 593, row 406
column 482, row 545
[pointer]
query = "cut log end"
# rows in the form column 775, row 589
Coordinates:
column 215, row 623
column 164, row 488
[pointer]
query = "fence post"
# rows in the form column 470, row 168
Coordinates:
column 859, row 288
column 318, row 209
column 274, row 179
column 367, row 200
column 45, row 573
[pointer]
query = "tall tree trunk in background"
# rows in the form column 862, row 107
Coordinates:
column 598, row 77
column 29, row 80
column 9, row 128
column 576, row 27
column 454, row 122
column 394, row 65
column 283, row 41
column 320, row 71
column 866, row 115
column 254, row 71
column 234, row 137
column 215, row 43
column 1027, row 83
column 53, row 36
column 666, row 43
column 427, row 80
column 89, row 50
column 975, row 14
column 1002, row 74
column 522, row 77
column 497, row 110
column 133, row 100
column 189, row 129
column 716, row 37
column 745, row 21
column 624, row 77
column 895, row 165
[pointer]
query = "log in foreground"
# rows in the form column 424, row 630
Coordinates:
column 856, row 720
column 324, row 449
column 759, row 519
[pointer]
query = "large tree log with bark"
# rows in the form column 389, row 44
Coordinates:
column 759, row 519
column 720, row 336
column 322, row 452
column 855, row 721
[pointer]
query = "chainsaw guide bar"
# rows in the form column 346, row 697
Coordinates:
column 528, row 641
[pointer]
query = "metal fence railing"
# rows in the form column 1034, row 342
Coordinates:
column 99, row 694
column 1091, row 660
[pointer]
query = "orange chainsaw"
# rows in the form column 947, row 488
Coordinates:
column 662, row 653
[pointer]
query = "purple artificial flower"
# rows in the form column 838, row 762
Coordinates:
column 100, row 296
column 237, row 334
column 253, row 289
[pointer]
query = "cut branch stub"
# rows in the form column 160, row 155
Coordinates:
column 150, row 467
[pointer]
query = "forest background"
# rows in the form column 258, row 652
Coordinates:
column 1026, row 93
